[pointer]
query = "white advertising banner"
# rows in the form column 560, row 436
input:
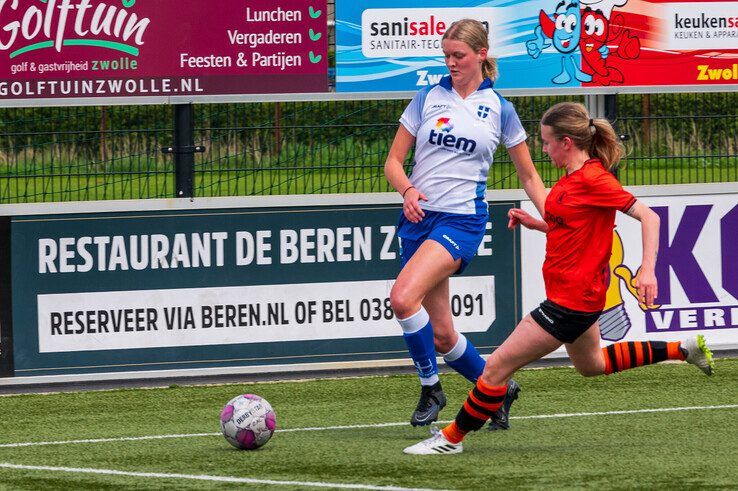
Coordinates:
column 700, row 25
column 697, row 271
column 114, row 320
column 407, row 32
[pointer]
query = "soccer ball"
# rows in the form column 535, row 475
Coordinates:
column 247, row 421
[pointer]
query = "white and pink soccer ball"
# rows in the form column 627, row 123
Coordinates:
column 248, row 421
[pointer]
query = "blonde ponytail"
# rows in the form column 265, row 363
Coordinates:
column 489, row 69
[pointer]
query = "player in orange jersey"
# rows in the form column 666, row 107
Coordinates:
column 579, row 220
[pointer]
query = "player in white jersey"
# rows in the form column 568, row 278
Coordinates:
column 456, row 127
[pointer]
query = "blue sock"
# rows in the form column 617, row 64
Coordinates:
column 418, row 334
column 465, row 359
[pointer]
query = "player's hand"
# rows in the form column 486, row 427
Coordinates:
column 517, row 216
column 631, row 283
column 513, row 221
column 647, row 287
column 411, row 207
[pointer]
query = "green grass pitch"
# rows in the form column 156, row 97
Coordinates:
column 659, row 427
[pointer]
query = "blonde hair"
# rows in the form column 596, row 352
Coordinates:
column 595, row 135
column 473, row 33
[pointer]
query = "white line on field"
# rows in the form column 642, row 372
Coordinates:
column 103, row 440
column 374, row 425
column 203, row 477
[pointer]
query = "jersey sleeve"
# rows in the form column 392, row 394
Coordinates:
column 513, row 132
column 412, row 116
column 605, row 191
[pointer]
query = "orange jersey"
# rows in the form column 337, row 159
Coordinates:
column 580, row 213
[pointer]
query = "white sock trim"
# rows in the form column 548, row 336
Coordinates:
column 457, row 350
column 415, row 322
column 427, row 381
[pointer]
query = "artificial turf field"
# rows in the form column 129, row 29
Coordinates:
column 659, row 427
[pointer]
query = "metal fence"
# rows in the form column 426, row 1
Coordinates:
column 88, row 153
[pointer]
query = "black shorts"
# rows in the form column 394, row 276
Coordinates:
column 564, row 324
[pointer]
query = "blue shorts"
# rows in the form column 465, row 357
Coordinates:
column 459, row 234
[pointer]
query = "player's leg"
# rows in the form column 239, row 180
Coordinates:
column 457, row 351
column 460, row 353
column 428, row 265
column 585, row 352
column 527, row 343
column 631, row 354
column 590, row 359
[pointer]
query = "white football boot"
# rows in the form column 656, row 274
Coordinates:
column 698, row 354
column 437, row 444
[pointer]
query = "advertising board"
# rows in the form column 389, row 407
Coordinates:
column 240, row 286
column 591, row 46
column 56, row 50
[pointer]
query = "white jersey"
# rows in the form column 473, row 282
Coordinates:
column 455, row 141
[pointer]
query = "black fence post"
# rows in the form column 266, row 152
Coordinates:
column 611, row 109
column 6, row 305
column 184, row 162
column 184, row 150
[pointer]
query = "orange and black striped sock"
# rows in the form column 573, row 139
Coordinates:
column 483, row 401
column 631, row 354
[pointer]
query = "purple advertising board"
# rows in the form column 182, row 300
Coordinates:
column 63, row 49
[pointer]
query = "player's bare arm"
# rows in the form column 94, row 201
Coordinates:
column 646, row 278
column 395, row 172
column 529, row 178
